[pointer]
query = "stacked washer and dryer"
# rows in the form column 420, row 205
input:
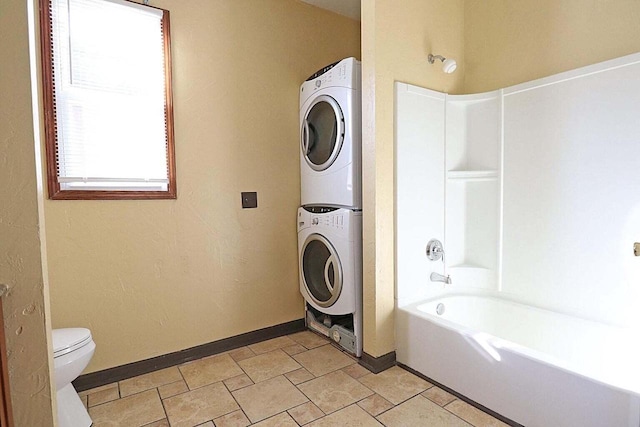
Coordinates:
column 330, row 218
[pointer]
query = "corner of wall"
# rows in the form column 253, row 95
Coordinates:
column 25, row 304
column 396, row 39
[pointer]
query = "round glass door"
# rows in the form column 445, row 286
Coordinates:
column 321, row 270
column 322, row 133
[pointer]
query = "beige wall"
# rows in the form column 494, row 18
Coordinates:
column 169, row 275
column 509, row 42
column 26, row 305
column 396, row 39
column 152, row 277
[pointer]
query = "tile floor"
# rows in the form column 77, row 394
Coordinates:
column 295, row 380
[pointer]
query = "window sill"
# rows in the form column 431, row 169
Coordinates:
column 112, row 195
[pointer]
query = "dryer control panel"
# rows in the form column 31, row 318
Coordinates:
column 321, row 71
column 345, row 73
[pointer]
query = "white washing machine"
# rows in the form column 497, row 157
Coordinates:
column 330, row 136
column 330, row 263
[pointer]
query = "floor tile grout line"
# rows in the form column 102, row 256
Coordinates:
column 117, row 386
column 303, row 382
column 227, row 413
column 442, row 407
column 190, row 389
column 303, row 393
column 329, row 413
column 411, row 397
column 305, row 403
column 458, row 416
column 164, row 411
column 152, row 422
column 405, row 400
column 375, row 394
column 236, row 400
column 455, row 398
column 142, row 391
column 126, row 397
column 286, row 411
column 182, row 376
column 220, row 416
column 383, row 412
column 202, row 386
column 300, row 366
column 245, row 414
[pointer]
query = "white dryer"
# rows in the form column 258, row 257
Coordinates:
column 330, row 136
column 330, row 257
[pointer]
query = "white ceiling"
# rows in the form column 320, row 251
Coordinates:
column 348, row 8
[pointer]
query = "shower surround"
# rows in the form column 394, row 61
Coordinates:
column 532, row 190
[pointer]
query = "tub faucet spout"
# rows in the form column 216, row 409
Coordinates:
column 435, row 277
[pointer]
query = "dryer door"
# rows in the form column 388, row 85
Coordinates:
column 322, row 133
column 321, row 270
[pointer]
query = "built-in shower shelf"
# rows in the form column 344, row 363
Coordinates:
column 476, row 98
column 473, row 175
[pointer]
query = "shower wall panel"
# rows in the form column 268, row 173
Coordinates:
column 571, row 191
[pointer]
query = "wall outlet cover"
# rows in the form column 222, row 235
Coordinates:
column 249, row 200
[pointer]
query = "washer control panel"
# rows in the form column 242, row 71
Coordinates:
column 330, row 218
column 319, row 209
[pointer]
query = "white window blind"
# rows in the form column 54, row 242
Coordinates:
column 108, row 66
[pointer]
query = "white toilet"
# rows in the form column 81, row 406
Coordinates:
column 72, row 351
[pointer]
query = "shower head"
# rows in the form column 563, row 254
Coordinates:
column 448, row 65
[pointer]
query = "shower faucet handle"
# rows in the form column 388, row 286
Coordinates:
column 435, row 250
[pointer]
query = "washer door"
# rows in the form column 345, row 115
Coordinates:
column 321, row 270
column 322, row 133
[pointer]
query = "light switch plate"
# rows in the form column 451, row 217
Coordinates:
column 249, row 200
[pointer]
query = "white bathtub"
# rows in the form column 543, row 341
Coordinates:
column 533, row 366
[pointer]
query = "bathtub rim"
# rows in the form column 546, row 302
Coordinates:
column 503, row 296
column 502, row 344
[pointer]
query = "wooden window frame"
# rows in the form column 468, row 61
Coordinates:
column 50, row 123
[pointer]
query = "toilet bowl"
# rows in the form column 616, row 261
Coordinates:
column 72, row 351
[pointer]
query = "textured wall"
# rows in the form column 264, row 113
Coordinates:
column 509, row 42
column 152, row 277
column 396, row 39
column 25, row 306
column 129, row 269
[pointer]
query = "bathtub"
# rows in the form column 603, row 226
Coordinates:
column 535, row 367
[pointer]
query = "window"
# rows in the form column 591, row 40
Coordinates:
column 108, row 105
